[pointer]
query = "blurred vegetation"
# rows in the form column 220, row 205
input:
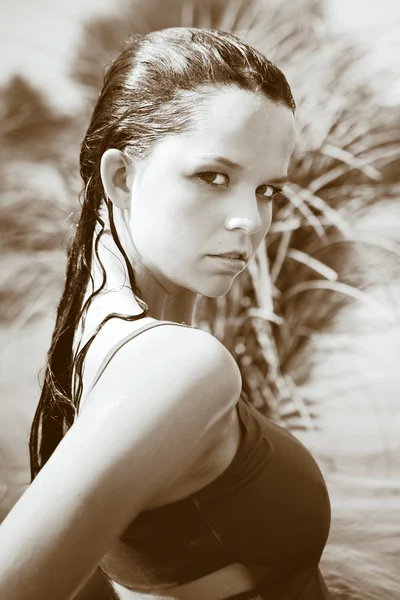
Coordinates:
column 345, row 162
column 345, row 165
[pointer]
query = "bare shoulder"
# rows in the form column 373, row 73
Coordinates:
column 174, row 357
column 165, row 397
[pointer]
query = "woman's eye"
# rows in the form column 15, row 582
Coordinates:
column 215, row 180
column 270, row 191
column 210, row 177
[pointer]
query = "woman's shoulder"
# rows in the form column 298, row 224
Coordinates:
column 168, row 391
column 154, row 355
column 152, row 344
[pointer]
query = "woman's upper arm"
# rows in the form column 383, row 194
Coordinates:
column 145, row 423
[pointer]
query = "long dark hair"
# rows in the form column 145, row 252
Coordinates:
column 146, row 95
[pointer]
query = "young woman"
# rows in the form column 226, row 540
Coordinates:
column 149, row 468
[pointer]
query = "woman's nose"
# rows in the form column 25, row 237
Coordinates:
column 251, row 223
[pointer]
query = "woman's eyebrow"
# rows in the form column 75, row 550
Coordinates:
column 281, row 180
column 229, row 163
column 222, row 160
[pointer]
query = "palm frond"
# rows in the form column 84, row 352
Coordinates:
column 342, row 288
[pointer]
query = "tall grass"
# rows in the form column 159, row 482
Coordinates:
column 310, row 265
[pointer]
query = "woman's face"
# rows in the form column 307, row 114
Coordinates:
column 188, row 204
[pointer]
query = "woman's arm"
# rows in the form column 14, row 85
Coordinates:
column 145, row 424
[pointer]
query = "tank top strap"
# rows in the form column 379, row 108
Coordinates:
column 126, row 339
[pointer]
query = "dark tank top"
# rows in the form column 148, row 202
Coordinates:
column 269, row 510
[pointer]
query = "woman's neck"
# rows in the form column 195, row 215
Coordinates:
column 117, row 295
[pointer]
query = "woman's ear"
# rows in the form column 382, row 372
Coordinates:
column 114, row 171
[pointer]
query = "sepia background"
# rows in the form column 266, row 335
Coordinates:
column 314, row 323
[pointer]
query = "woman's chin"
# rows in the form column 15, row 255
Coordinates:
column 217, row 290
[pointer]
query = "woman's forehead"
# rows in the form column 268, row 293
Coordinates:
column 231, row 122
column 237, row 116
column 233, row 107
column 232, row 128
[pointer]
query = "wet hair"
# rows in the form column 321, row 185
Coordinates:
column 146, row 95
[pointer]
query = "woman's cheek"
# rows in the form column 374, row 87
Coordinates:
column 267, row 218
